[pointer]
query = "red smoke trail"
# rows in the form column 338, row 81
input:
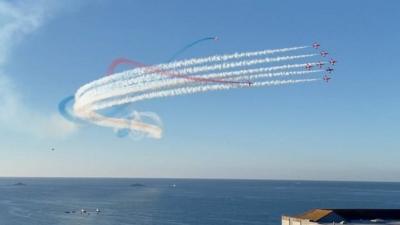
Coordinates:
column 169, row 73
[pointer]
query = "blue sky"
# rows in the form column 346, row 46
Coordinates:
column 346, row 130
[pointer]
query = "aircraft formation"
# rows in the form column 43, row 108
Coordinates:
column 93, row 101
column 332, row 62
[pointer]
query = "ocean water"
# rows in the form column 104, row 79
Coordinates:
column 46, row 201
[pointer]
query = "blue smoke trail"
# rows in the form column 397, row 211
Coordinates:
column 62, row 108
column 190, row 45
column 119, row 111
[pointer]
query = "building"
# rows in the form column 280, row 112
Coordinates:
column 345, row 216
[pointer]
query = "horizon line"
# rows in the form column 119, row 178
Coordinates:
column 202, row 178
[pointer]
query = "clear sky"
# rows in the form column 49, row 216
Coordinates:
column 346, row 130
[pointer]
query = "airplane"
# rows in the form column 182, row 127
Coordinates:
column 332, row 62
column 216, row 38
column 308, row 66
column 329, row 70
column 324, row 53
column 316, row 45
column 52, row 149
column 326, row 78
column 320, row 64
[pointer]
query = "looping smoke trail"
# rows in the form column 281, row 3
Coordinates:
column 62, row 108
column 219, row 72
column 144, row 69
column 185, row 91
column 191, row 45
column 158, row 72
column 120, row 61
column 219, row 76
column 128, row 87
column 149, row 117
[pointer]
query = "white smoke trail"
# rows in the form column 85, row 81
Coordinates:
column 220, row 72
column 127, row 87
column 160, row 71
column 221, row 76
column 223, row 66
column 116, row 91
column 160, row 75
column 154, row 131
column 218, row 58
column 183, row 91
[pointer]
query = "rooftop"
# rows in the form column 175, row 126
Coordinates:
column 354, row 216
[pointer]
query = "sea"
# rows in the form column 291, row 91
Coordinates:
column 59, row 201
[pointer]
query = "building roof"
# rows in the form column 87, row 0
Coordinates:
column 318, row 215
column 315, row 214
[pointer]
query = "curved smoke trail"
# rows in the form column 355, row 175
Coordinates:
column 220, row 72
column 120, row 61
column 62, row 108
column 144, row 70
column 191, row 45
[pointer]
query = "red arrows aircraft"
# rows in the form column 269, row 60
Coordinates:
column 316, row 45
column 324, row 53
column 332, row 62
column 329, row 70
column 326, row 78
column 320, row 64
column 308, row 66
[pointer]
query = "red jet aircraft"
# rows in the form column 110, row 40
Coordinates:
column 316, row 45
column 326, row 78
column 329, row 70
column 324, row 53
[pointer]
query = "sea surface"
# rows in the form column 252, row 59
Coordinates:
column 52, row 201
